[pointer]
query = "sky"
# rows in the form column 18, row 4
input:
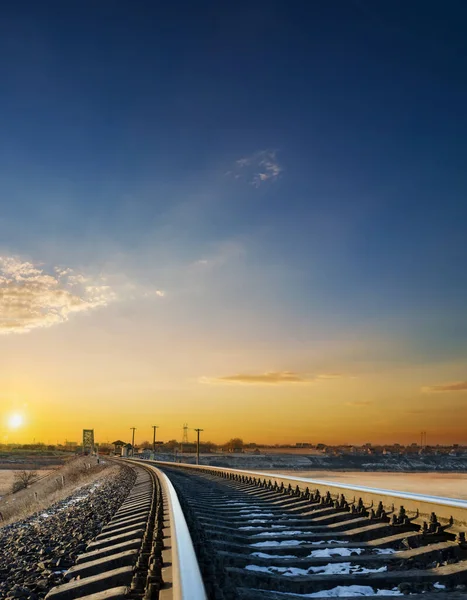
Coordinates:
column 248, row 216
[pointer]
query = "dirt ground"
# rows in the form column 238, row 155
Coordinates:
column 450, row 485
column 7, row 476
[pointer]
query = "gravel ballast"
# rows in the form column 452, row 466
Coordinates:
column 36, row 552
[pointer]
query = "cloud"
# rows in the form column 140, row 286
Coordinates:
column 359, row 403
column 30, row 297
column 458, row 386
column 158, row 293
column 258, row 168
column 268, row 378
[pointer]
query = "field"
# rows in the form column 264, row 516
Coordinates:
column 51, row 486
column 450, row 485
column 7, row 477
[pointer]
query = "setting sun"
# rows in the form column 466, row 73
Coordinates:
column 15, row 421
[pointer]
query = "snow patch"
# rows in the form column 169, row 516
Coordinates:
column 348, row 591
column 344, row 568
column 439, row 586
column 264, row 555
column 283, row 543
column 328, row 542
column 275, row 533
column 328, row 552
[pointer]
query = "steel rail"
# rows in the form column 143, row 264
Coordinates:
column 444, row 507
column 186, row 576
column 443, row 500
column 144, row 551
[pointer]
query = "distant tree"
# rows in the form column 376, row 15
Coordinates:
column 171, row 444
column 208, row 446
column 145, row 445
column 105, row 448
column 234, row 444
column 22, row 480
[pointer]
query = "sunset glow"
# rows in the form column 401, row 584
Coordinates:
column 250, row 221
column 15, row 421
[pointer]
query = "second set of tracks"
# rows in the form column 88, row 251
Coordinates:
column 257, row 540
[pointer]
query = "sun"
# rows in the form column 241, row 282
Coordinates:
column 15, row 420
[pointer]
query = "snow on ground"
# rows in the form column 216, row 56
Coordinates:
column 329, row 542
column 259, row 514
column 296, row 542
column 347, row 591
column 328, row 552
column 344, row 568
column 282, row 532
column 264, row 555
column 283, row 543
column 63, row 505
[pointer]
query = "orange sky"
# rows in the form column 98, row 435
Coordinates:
column 142, row 360
column 61, row 388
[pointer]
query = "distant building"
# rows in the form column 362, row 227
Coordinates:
column 127, row 450
column 118, row 445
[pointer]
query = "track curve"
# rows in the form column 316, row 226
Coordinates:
column 256, row 540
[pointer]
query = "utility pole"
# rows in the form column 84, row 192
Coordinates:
column 185, row 437
column 133, row 442
column 197, row 445
column 154, row 438
column 423, row 440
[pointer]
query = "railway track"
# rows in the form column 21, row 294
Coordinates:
column 188, row 533
column 144, row 552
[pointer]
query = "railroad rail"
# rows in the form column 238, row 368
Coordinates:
column 144, row 552
column 193, row 533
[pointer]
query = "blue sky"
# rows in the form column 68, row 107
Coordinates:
column 132, row 141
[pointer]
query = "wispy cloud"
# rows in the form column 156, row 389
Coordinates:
column 458, row 386
column 152, row 293
column 31, row 297
column 268, row 378
column 258, row 168
column 359, row 403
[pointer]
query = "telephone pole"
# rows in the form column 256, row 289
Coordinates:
column 423, row 440
column 197, row 445
column 133, row 441
column 154, row 427
column 185, row 437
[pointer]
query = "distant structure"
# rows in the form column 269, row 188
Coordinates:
column 118, row 445
column 184, row 443
column 185, row 433
column 423, row 440
column 88, row 441
column 127, row 450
